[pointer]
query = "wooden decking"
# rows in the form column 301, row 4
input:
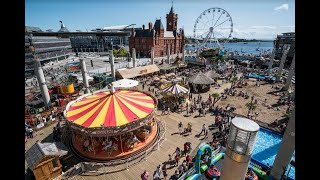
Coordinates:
column 168, row 147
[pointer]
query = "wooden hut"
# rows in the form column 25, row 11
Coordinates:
column 43, row 159
column 200, row 82
column 212, row 75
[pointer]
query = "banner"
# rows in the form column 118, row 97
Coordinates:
column 73, row 66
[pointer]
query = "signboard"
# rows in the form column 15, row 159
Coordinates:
column 143, row 71
column 73, row 66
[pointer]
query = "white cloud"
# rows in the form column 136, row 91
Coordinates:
column 263, row 27
column 251, row 32
column 283, row 7
column 289, row 26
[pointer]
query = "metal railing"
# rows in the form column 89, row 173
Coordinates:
column 96, row 169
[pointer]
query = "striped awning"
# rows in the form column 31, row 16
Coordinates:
column 105, row 109
column 175, row 89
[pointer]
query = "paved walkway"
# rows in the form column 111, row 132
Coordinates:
column 168, row 146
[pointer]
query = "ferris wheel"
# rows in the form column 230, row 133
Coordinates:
column 212, row 24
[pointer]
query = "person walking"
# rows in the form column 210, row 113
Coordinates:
column 158, row 170
column 156, row 176
column 164, row 171
column 191, row 111
column 177, row 157
column 163, row 110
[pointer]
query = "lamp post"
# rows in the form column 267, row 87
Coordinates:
column 111, row 44
column 239, row 148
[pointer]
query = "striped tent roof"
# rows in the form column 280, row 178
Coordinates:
column 104, row 109
column 175, row 89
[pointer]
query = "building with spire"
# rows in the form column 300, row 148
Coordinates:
column 158, row 37
column 63, row 28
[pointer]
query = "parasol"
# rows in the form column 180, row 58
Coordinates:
column 156, row 79
column 125, row 83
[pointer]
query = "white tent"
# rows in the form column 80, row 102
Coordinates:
column 88, row 77
column 125, row 83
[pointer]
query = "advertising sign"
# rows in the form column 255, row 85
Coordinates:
column 73, row 66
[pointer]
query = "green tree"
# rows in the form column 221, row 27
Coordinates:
column 215, row 97
column 287, row 115
column 122, row 52
column 251, row 107
column 115, row 52
column 233, row 80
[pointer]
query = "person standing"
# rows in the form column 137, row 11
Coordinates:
column 180, row 127
column 206, row 132
column 203, row 129
column 144, row 175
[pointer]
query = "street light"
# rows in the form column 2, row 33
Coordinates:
column 111, row 44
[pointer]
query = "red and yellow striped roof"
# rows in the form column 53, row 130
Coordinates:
column 104, row 109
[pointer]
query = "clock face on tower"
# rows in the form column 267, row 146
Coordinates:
column 169, row 23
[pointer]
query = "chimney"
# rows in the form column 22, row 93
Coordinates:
column 143, row 27
column 150, row 26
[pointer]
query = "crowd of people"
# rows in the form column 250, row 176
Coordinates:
column 173, row 161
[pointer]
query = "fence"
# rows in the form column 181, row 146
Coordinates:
column 96, row 169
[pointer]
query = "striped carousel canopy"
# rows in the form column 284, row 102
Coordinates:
column 104, row 109
column 175, row 89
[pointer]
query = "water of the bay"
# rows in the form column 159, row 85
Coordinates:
column 252, row 48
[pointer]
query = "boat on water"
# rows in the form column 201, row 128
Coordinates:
column 245, row 43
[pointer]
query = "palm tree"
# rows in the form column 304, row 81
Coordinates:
column 215, row 96
column 287, row 115
column 251, row 106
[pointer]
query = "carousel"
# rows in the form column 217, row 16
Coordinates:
column 112, row 124
column 174, row 93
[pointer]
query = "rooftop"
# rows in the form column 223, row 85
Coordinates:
column 119, row 27
column 158, row 24
column 33, row 29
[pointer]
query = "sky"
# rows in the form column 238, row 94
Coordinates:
column 252, row 19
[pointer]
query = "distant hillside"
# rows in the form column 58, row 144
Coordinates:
column 248, row 40
column 192, row 40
